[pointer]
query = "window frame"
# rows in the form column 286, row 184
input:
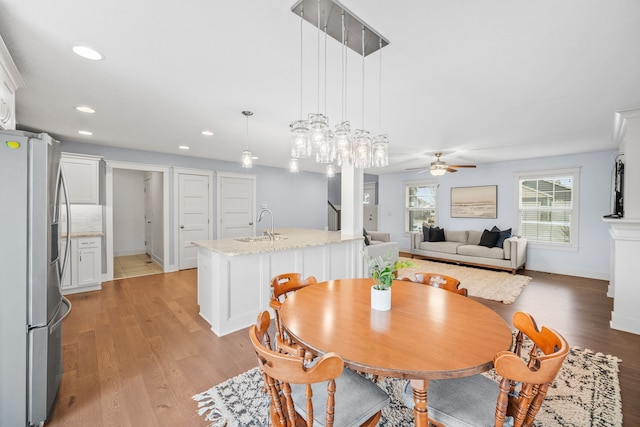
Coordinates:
column 574, row 230
column 407, row 209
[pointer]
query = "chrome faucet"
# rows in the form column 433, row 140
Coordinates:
column 270, row 233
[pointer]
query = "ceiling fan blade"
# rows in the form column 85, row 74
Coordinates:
column 451, row 170
column 415, row 169
column 462, row 166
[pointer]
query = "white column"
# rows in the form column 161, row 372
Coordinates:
column 351, row 202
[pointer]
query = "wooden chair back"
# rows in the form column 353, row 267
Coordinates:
column 281, row 286
column 524, row 384
column 438, row 281
column 280, row 370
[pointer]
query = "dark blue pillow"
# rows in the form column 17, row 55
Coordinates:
column 504, row 235
column 426, row 232
column 436, row 235
column 489, row 238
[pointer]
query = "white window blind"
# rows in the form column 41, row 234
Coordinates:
column 548, row 207
column 420, row 204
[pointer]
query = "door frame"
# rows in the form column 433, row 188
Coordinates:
column 176, row 207
column 108, row 211
column 219, row 175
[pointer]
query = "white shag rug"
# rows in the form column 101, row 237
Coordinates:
column 483, row 283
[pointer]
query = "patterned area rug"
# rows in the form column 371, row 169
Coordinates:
column 586, row 392
column 483, row 283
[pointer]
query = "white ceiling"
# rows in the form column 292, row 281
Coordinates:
column 481, row 81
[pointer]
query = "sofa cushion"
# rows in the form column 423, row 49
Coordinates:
column 456, row 236
column 489, row 238
column 436, row 235
column 445, row 247
column 481, row 251
column 504, row 234
column 474, row 237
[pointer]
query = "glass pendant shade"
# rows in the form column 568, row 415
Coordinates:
column 380, row 151
column 331, row 171
column 342, row 144
column 438, row 172
column 293, row 165
column 324, row 151
column 362, row 149
column 318, row 132
column 300, row 139
column 247, row 161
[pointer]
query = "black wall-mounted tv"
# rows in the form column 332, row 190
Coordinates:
column 618, row 188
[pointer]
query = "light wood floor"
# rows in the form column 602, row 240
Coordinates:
column 134, row 266
column 135, row 352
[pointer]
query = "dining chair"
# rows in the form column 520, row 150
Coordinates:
column 438, row 281
column 479, row 401
column 281, row 286
column 319, row 393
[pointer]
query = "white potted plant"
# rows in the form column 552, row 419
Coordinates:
column 381, row 270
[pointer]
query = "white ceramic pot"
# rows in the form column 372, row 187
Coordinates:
column 381, row 300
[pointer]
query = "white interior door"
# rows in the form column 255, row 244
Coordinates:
column 236, row 205
column 370, row 208
column 148, row 215
column 193, row 216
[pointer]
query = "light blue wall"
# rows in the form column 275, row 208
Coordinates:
column 592, row 257
column 296, row 200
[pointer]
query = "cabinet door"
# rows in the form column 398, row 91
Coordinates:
column 88, row 263
column 82, row 179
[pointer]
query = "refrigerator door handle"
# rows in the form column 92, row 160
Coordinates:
column 65, row 262
column 64, row 316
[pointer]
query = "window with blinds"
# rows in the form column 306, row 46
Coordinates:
column 548, row 207
column 420, row 205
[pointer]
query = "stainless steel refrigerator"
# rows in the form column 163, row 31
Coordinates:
column 32, row 264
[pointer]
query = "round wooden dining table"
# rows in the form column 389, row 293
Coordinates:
column 429, row 333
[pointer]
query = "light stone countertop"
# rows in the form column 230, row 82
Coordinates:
column 76, row 234
column 294, row 238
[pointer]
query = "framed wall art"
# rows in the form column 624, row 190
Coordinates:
column 474, row 202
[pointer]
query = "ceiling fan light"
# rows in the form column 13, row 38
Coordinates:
column 438, row 171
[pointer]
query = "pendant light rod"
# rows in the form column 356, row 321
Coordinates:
column 332, row 14
column 380, row 90
column 363, row 55
column 318, row 110
column 301, row 60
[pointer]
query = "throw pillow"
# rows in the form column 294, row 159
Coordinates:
column 504, row 235
column 366, row 237
column 489, row 238
column 426, row 232
column 436, row 235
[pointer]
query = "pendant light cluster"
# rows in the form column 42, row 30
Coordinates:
column 313, row 137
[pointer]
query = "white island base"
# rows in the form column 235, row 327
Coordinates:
column 234, row 277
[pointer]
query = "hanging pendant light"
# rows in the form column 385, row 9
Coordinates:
column 362, row 143
column 380, row 146
column 247, row 160
column 318, row 122
column 293, row 165
column 342, row 143
column 300, row 128
column 331, row 171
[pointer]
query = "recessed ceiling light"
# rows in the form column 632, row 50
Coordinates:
column 207, row 133
column 85, row 132
column 183, row 147
column 87, row 52
column 85, row 109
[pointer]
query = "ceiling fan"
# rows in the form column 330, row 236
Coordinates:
column 439, row 167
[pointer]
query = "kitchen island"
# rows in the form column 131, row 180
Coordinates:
column 234, row 275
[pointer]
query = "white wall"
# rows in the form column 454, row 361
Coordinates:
column 592, row 257
column 128, row 212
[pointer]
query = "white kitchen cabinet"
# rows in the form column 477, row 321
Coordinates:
column 82, row 174
column 10, row 81
column 85, row 268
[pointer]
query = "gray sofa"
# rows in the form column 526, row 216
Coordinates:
column 380, row 245
column 462, row 247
